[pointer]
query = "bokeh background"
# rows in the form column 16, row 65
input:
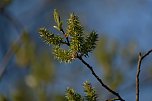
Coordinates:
column 29, row 72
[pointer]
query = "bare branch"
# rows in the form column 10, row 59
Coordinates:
column 68, row 43
column 140, row 59
column 101, row 82
column 94, row 74
column 19, row 27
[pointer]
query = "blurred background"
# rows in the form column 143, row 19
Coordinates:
column 29, row 72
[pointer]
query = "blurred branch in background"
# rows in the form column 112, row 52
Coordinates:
column 18, row 26
column 26, row 55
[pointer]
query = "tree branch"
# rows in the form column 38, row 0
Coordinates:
column 68, row 43
column 93, row 73
column 140, row 59
column 101, row 82
column 19, row 27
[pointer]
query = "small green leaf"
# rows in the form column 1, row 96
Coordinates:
column 57, row 20
column 63, row 55
column 60, row 25
column 56, row 27
column 74, row 27
column 89, row 43
column 71, row 95
column 78, row 45
column 89, row 91
column 50, row 38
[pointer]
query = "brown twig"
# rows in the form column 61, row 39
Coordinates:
column 93, row 73
column 101, row 82
column 68, row 43
column 140, row 59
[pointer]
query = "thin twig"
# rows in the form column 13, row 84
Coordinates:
column 140, row 59
column 68, row 43
column 93, row 73
column 4, row 62
column 13, row 20
column 19, row 27
column 101, row 82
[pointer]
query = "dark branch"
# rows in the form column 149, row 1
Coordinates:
column 13, row 20
column 140, row 59
column 68, row 43
column 4, row 62
column 93, row 73
column 19, row 27
column 101, row 82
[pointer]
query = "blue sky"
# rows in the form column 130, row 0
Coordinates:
column 123, row 20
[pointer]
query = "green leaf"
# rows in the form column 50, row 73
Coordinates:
column 63, row 55
column 56, row 27
column 78, row 44
column 89, row 91
column 75, row 32
column 89, row 44
column 71, row 95
column 50, row 38
column 57, row 20
column 74, row 27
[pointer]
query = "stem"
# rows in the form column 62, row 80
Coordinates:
column 19, row 27
column 101, row 82
column 68, row 43
column 140, row 59
column 94, row 74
